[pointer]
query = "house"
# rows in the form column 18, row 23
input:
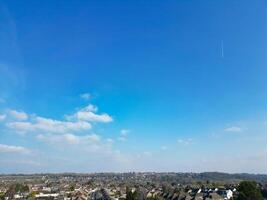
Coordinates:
column 214, row 196
column 226, row 194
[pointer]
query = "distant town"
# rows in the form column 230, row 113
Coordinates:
column 132, row 186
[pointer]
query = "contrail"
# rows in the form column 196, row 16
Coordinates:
column 222, row 49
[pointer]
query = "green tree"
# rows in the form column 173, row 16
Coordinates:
column 19, row 187
column 155, row 198
column 2, row 196
column 72, row 187
column 32, row 195
column 129, row 194
column 249, row 190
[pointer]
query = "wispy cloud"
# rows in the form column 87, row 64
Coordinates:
column 88, row 113
column 18, row 115
column 235, row 129
column 69, row 139
column 123, row 134
column 186, row 141
column 2, row 117
column 40, row 124
column 86, row 96
column 109, row 140
column 13, row 149
column 71, row 135
column 22, row 122
column 147, row 153
column 91, row 144
column 163, row 148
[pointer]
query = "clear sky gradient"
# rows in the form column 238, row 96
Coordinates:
column 138, row 85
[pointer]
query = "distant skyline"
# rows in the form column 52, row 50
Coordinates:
column 119, row 86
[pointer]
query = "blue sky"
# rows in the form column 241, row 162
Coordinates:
column 140, row 85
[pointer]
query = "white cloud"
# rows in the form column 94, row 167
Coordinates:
column 72, row 139
column 109, row 140
column 233, row 129
column 68, row 136
column 121, row 138
column 147, row 153
column 21, row 127
column 92, row 138
column 18, row 115
column 69, row 139
column 185, row 141
column 92, row 117
column 85, row 145
column 89, row 114
column 23, row 123
column 163, row 148
column 86, row 96
column 40, row 124
column 2, row 117
column 123, row 134
column 13, row 149
column 90, row 108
